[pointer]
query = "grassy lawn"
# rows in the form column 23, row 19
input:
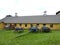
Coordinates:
column 9, row 38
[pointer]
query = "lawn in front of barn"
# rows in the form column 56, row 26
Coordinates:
column 9, row 38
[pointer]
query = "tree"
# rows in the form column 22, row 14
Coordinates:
column 8, row 16
column 57, row 12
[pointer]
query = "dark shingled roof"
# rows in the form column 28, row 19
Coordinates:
column 33, row 19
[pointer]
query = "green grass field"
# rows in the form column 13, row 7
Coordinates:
column 9, row 38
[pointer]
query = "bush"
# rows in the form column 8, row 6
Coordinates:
column 19, row 29
column 33, row 29
column 45, row 29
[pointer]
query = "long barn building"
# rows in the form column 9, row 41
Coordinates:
column 51, row 21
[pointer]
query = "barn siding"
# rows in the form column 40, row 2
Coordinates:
column 2, row 25
column 55, row 26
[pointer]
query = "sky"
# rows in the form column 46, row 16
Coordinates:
column 28, row 7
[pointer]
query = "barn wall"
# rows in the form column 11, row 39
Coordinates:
column 18, row 25
column 2, row 25
column 25, row 27
column 55, row 26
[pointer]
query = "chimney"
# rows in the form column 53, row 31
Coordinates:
column 45, row 13
column 16, row 14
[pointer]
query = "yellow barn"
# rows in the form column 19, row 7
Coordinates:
column 51, row 21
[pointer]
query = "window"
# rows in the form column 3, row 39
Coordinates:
column 51, row 25
column 25, row 25
column 31, row 25
column 37, row 24
column 44, row 24
column 5, row 24
column 15, row 24
column 20, row 24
